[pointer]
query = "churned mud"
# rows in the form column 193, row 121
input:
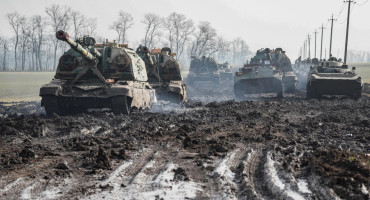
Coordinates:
column 266, row 149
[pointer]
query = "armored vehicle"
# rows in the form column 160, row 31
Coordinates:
column 225, row 71
column 203, row 73
column 164, row 74
column 333, row 78
column 283, row 64
column 266, row 73
column 301, row 69
column 89, row 75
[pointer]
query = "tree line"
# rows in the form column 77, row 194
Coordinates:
column 355, row 56
column 33, row 46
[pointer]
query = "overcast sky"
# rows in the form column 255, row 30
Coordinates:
column 262, row 23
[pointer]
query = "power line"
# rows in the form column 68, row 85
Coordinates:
column 345, row 20
column 362, row 3
column 341, row 10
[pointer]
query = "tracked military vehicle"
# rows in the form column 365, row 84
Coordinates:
column 203, row 74
column 261, row 75
column 108, row 75
column 333, row 78
column 164, row 74
column 301, row 69
column 283, row 64
column 225, row 71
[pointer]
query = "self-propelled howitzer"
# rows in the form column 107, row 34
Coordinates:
column 91, row 75
column 164, row 74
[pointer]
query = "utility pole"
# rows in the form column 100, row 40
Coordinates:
column 315, row 42
column 345, row 49
column 322, row 35
column 331, row 32
column 309, row 46
column 304, row 49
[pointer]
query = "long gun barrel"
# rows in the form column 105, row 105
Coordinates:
column 64, row 36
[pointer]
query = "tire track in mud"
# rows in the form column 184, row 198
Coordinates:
column 234, row 175
column 148, row 174
column 27, row 188
column 245, row 175
column 254, row 174
column 32, row 183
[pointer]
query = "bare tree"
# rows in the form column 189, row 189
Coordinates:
column 41, row 24
column 240, row 50
column 1, row 52
column 204, row 39
column 33, row 26
column 25, row 38
column 78, row 22
column 5, row 50
column 235, row 47
column 179, row 30
column 121, row 26
column 59, row 17
column 90, row 27
column 221, row 47
column 152, row 25
column 15, row 21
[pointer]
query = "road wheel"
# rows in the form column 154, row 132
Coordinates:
column 51, row 105
column 120, row 105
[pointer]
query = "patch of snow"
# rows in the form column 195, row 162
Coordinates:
column 92, row 130
column 53, row 193
column 26, row 193
column 303, row 186
column 225, row 176
column 364, row 190
column 143, row 187
column 277, row 185
column 273, row 174
column 222, row 168
column 164, row 186
column 11, row 185
column 116, row 173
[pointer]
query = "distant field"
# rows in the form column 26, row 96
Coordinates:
column 364, row 70
column 25, row 86
column 22, row 86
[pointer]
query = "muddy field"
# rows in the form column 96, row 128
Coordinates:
column 266, row 149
